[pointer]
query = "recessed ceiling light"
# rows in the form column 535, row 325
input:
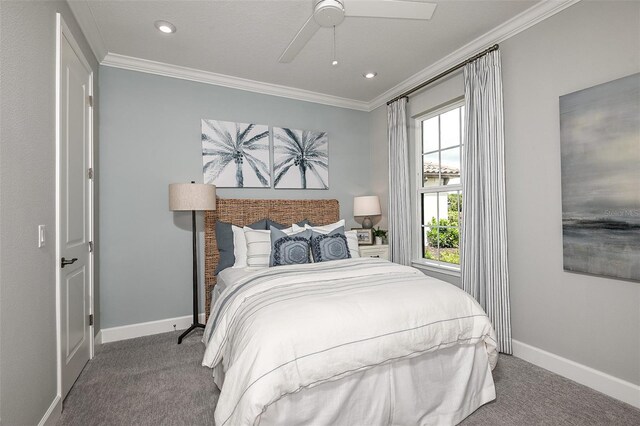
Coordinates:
column 370, row 75
column 334, row 63
column 165, row 27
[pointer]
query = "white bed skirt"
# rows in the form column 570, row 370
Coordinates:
column 436, row 388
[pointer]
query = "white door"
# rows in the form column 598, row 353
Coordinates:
column 74, row 210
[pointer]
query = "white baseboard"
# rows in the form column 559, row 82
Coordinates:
column 97, row 341
column 52, row 415
column 131, row 331
column 602, row 382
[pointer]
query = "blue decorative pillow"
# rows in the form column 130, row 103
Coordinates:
column 224, row 238
column 289, row 249
column 331, row 246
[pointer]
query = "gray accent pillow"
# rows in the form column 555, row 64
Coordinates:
column 224, row 238
column 277, row 225
column 289, row 249
column 261, row 224
column 331, row 246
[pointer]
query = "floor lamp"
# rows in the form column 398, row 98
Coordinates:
column 192, row 196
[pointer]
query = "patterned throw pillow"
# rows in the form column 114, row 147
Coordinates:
column 331, row 246
column 352, row 236
column 289, row 249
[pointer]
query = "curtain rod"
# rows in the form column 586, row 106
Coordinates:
column 443, row 74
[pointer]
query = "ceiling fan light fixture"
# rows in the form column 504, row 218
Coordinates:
column 328, row 13
column 165, row 27
column 369, row 75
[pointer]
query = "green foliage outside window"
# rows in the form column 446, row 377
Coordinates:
column 448, row 237
column 443, row 237
column 452, row 206
column 445, row 233
column 450, row 256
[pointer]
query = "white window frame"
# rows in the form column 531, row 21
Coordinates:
column 419, row 260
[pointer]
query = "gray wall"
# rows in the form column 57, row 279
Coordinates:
column 591, row 320
column 27, row 194
column 150, row 137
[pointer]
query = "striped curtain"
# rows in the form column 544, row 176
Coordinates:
column 399, row 201
column 484, row 266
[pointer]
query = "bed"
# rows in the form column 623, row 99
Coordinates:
column 352, row 342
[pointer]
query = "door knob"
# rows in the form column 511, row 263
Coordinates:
column 64, row 262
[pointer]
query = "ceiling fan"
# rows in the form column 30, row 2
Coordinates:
column 330, row 13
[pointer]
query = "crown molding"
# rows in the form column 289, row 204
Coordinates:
column 168, row 70
column 87, row 22
column 515, row 25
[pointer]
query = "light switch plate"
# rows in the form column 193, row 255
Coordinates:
column 41, row 235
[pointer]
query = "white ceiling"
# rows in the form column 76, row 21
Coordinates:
column 245, row 38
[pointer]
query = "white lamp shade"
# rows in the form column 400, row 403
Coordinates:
column 366, row 206
column 192, row 196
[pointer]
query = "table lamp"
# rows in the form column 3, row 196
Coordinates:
column 366, row 206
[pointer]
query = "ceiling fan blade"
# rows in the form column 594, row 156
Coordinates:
column 300, row 40
column 389, row 9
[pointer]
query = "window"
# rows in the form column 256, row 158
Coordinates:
column 439, row 186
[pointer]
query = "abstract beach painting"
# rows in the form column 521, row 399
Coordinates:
column 235, row 155
column 301, row 159
column 600, row 152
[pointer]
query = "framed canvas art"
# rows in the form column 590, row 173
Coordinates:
column 600, row 152
column 301, row 159
column 235, row 155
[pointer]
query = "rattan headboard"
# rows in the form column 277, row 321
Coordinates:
column 242, row 212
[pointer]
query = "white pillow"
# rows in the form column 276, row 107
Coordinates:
column 325, row 229
column 258, row 247
column 352, row 243
column 291, row 230
column 239, row 247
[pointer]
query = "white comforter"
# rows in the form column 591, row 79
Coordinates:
column 283, row 329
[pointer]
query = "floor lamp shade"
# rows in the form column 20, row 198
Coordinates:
column 192, row 196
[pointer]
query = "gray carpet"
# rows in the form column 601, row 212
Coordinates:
column 153, row 381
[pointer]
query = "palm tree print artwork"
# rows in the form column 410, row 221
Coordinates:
column 301, row 159
column 235, row 155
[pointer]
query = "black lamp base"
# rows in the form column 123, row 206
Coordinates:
column 189, row 330
column 196, row 323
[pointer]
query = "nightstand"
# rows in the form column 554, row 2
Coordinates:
column 379, row 250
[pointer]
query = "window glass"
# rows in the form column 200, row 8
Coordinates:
column 450, row 166
column 450, row 123
column 440, row 191
column 430, row 138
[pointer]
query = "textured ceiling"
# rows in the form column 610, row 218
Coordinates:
column 245, row 38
